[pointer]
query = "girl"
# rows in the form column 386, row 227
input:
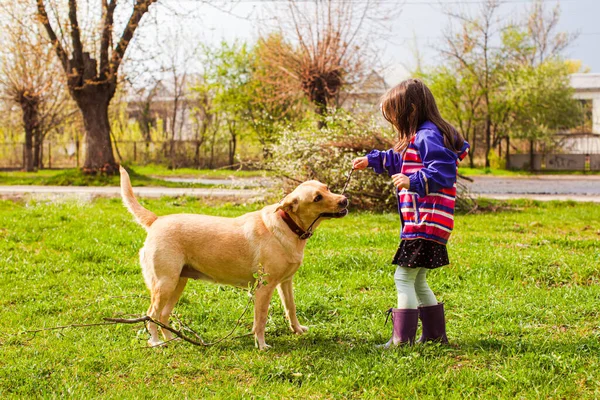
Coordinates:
column 423, row 166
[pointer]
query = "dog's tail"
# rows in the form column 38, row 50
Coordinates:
column 143, row 216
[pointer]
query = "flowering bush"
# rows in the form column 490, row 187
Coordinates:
column 326, row 155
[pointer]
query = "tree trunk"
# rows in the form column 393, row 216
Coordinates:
column 29, row 106
column 531, row 156
column 211, row 164
column 28, row 164
column 232, row 148
column 507, row 152
column 488, row 139
column 38, row 142
column 321, row 109
column 99, row 156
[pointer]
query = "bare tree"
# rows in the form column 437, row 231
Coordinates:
column 28, row 72
column 324, row 43
column 92, row 75
column 541, row 26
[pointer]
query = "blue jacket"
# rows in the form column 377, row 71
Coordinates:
column 427, row 206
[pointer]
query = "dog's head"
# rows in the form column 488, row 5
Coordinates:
column 312, row 199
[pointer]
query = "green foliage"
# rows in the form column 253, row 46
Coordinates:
column 518, row 89
column 521, row 298
column 536, row 100
column 236, row 98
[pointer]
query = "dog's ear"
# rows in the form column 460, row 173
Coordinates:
column 288, row 204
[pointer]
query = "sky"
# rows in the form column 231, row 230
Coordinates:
column 420, row 21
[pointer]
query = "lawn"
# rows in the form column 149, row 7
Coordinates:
column 74, row 177
column 521, row 295
column 147, row 175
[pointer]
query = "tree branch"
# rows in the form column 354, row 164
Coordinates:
column 108, row 10
column 76, row 38
column 45, row 21
column 139, row 9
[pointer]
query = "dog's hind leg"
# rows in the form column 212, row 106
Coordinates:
column 161, row 294
column 161, row 273
column 168, row 309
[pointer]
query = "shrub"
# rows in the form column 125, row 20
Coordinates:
column 326, row 154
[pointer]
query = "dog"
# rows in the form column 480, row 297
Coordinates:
column 231, row 251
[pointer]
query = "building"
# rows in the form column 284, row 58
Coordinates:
column 587, row 89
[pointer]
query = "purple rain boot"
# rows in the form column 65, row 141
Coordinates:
column 404, row 327
column 434, row 324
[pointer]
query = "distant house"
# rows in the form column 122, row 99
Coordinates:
column 365, row 95
column 584, row 139
column 587, row 90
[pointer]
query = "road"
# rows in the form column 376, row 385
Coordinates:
column 547, row 187
column 542, row 187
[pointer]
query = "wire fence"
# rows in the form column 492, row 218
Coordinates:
column 179, row 153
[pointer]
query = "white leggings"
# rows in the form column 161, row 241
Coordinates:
column 412, row 287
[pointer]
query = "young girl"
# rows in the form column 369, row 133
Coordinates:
column 423, row 166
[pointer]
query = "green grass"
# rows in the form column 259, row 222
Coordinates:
column 161, row 170
column 74, row 177
column 521, row 296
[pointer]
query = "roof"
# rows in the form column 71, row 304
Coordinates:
column 585, row 82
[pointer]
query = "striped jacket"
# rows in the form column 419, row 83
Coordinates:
column 427, row 208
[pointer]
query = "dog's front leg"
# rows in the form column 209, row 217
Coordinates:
column 261, row 311
column 286, row 292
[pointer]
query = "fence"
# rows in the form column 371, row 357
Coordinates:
column 181, row 153
column 556, row 162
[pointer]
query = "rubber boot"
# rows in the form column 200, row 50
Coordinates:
column 434, row 324
column 404, row 330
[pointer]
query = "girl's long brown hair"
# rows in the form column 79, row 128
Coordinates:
column 408, row 105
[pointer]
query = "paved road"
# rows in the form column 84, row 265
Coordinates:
column 546, row 187
column 547, row 184
column 543, row 187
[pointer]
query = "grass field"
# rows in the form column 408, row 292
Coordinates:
column 521, row 296
column 148, row 175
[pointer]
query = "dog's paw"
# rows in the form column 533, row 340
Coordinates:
column 155, row 343
column 262, row 346
column 300, row 329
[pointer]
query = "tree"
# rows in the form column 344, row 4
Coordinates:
column 471, row 51
column 460, row 100
column 505, row 79
column 92, row 75
column 272, row 99
column 323, row 46
column 28, row 79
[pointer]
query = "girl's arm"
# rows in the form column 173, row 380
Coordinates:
column 439, row 164
column 385, row 161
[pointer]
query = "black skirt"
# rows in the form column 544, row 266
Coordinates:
column 421, row 253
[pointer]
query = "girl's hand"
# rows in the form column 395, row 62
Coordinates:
column 401, row 181
column 360, row 163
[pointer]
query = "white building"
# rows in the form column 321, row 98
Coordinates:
column 587, row 89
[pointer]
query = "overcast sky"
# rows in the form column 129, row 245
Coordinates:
column 420, row 20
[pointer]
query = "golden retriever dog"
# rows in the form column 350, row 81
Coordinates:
column 230, row 251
